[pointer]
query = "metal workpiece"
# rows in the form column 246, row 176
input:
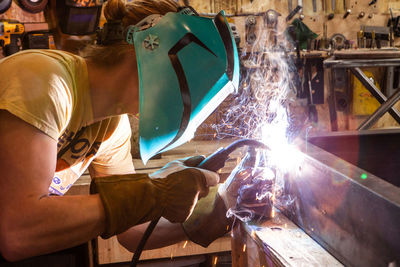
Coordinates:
column 354, row 66
column 380, row 111
column 360, row 63
column 375, row 92
column 351, row 212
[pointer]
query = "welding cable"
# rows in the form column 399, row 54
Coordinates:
column 214, row 162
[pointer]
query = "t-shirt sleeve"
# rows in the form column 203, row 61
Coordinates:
column 34, row 87
column 114, row 155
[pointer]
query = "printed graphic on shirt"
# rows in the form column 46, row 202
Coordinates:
column 76, row 152
column 63, row 180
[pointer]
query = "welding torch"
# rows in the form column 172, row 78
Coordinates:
column 214, row 162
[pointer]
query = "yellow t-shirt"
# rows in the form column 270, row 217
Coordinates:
column 49, row 89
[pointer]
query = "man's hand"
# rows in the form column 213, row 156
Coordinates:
column 211, row 178
column 136, row 198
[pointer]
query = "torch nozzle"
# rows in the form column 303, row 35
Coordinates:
column 217, row 160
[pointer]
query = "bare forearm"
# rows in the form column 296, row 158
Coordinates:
column 52, row 223
column 164, row 234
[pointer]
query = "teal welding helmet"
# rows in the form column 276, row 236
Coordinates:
column 187, row 66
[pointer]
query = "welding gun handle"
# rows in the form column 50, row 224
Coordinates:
column 215, row 161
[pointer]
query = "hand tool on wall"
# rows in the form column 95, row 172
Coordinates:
column 373, row 40
column 5, row 5
column 347, row 13
column 360, row 36
column 251, row 22
column 290, row 6
column 333, row 7
column 10, row 32
column 314, row 5
column 293, row 13
column 312, row 109
column 214, row 162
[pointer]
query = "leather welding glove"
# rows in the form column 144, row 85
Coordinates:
column 209, row 220
column 136, row 198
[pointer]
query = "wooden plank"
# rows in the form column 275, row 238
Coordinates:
column 277, row 242
column 110, row 251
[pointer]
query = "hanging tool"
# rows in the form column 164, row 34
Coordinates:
column 372, row 2
column 314, row 6
column 293, row 13
column 214, row 162
column 251, row 22
column 300, row 3
column 348, row 11
column 290, row 6
column 373, row 41
column 312, row 109
column 10, row 32
column 360, row 36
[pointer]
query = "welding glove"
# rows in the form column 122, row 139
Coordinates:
column 136, row 198
column 209, row 220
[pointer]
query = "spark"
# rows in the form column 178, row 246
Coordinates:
column 215, row 260
column 244, row 247
column 253, row 234
column 184, row 244
column 261, row 111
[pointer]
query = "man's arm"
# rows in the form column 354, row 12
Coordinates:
column 32, row 223
column 165, row 234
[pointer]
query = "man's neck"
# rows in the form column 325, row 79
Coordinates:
column 114, row 90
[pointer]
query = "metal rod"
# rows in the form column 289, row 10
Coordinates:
column 380, row 111
column 374, row 91
column 354, row 63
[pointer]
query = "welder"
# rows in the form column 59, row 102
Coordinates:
column 62, row 114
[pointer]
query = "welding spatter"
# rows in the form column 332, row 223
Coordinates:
column 214, row 162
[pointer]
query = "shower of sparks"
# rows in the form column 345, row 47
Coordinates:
column 184, row 244
column 262, row 110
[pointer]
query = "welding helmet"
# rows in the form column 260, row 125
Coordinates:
column 187, row 66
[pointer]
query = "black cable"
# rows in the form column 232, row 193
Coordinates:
column 146, row 235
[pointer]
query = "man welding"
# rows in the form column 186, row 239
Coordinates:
column 61, row 114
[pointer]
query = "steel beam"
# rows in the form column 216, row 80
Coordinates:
column 357, row 220
column 360, row 63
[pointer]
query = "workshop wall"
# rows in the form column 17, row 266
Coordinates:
column 376, row 14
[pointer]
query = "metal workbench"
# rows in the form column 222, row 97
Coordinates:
column 353, row 62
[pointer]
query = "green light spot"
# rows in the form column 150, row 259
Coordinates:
column 364, row 176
